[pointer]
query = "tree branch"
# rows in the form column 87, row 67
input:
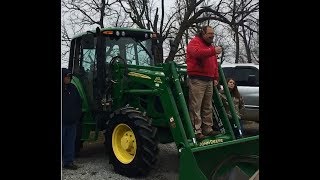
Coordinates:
column 162, row 16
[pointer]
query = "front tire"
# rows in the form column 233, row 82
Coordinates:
column 132, row 143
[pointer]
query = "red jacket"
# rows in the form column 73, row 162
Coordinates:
column 201, row 59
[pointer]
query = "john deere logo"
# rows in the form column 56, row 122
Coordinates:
column 211, row 141
column 157, row 80
column 139, row 75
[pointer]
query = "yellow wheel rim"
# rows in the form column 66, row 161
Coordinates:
column 124, row 143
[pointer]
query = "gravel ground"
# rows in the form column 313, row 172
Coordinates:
column 94, row 164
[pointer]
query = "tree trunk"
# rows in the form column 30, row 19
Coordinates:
column 175, row 43
column 159, row 58
column 103, row 7
column 237, row 44
column 246, row 44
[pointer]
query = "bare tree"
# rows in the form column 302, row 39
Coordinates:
column 172, row 25
column 145, row 16
column 89, row 12
column 79, row 15
column 225, row 12
column 65, row 41
column 248, row 37
column 239, row 13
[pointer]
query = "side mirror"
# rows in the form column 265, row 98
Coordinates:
column 87, row 41
column 252, row 80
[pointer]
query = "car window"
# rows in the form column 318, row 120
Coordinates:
column 241, row 74
column 228, row 72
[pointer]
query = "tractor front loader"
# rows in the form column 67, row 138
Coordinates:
column 138, row 104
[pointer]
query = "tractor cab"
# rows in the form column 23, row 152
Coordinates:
column 94, row 51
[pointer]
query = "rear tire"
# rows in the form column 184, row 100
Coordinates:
column 131, row 142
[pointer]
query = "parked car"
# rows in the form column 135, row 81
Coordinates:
column 247, row 80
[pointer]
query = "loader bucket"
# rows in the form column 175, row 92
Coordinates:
column 236, row 158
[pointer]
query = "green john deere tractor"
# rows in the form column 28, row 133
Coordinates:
column 138, row 104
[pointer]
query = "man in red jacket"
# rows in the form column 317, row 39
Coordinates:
column 202, row 69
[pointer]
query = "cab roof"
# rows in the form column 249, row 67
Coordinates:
column 114, row 29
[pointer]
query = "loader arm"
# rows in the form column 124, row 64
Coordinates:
column 215, row 156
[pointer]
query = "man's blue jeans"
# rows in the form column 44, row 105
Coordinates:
column 68, row 142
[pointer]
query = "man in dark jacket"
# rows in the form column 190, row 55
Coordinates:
column 202, row 69
column 71, row 114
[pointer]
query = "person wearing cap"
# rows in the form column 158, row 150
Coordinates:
column 71, row 114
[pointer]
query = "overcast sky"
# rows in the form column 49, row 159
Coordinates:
column 168, row 4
